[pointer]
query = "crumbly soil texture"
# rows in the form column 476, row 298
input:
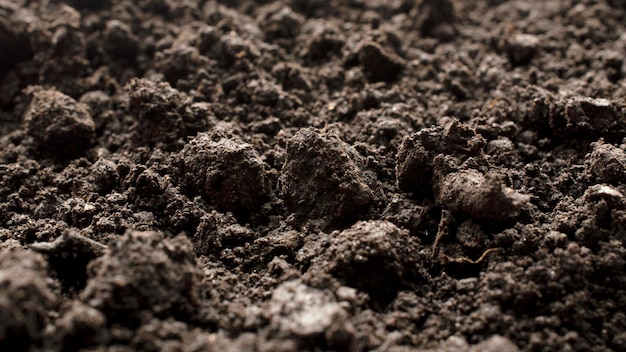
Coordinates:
column 342, row 175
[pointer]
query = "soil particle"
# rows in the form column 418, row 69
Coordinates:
column 459, row 344
column 495, row 343
column 593, row 117
column 87, row 4
column 169, row 335
column 433, row 157
column 291, row 77
column 101, row 105
column 58, row 123
column 265, row 92
column 178, row 62
column 321, row 178
column 216, row 231
column 613, row 197
column 60, row 49
column 470, row 235
column 143, row 276
column 502, row 151
column 233, row 47
column 226, row 172
column 104, row 175
column 324, row 39
column 521, row 48
column 419, row 220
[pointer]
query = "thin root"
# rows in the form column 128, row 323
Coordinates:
column 465, row 260
column 442, row 229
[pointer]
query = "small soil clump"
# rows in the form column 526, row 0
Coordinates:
column 607, row 163
column 480, row 196
column 379, row 64
column 58, row 123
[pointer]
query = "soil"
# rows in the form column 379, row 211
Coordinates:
column 405, row 175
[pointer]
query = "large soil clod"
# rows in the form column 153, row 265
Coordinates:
column 58, row 123
column 321, row 178
column 225, row 171
column 414, row 169
column 25, row 298
column 376, row 257
column 143, row 275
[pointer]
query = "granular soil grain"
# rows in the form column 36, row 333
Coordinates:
column 366, row 175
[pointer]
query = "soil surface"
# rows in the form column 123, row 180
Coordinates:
column 404, row 175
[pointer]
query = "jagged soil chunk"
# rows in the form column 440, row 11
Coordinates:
column 373, row 256
column 163, row 113
column 484, row 197
column 279, row 21
column 321, row 178
column 144, row 273
column 494, row 344
column 58, row 123
column 120, row 40
column 104, row 175
column 414, row 162
column 607, row 163
column 521, row 48
column 310, row 315
column 69, row 255
column 16, row 46
column 216, row 231
column 597, row 117
column 379, row 64
column 225, row 171
column 323, row 39
column 436, row 18
column 81, row 326
column 25, row 298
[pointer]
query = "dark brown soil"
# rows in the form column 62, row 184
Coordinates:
column 404, row 175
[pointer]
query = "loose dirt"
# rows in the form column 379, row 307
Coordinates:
column 406, row 175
